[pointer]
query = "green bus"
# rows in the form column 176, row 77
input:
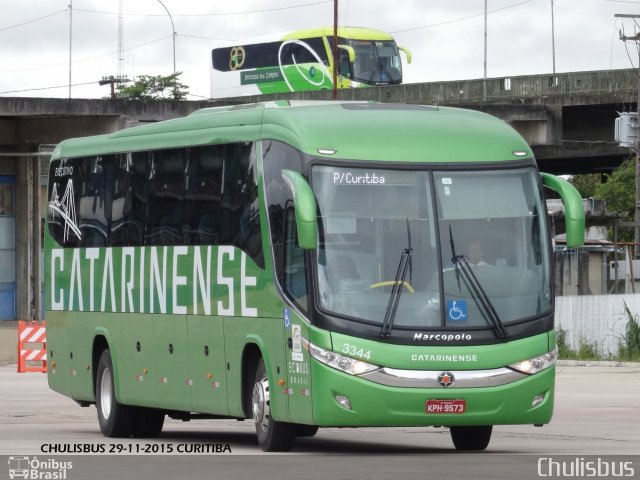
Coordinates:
column 302, row 60
column 305, row 264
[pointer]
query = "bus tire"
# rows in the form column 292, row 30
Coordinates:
column 273, row 436
column 150, row 422
column 115, row 419
column 471, row 438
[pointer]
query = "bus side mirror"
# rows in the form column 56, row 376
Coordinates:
column 406, row 52
column 306, row 209
column 573, row 208
column 350, row 51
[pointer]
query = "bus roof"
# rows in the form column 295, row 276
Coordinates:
column 354, row 33
column 353, row 130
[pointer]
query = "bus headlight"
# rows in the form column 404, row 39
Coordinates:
column 537, row 364
column 348, row 365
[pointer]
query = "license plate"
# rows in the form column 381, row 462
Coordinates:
column 445, row 406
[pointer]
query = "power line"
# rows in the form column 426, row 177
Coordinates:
column 208, row 14
column 207, row 38
column 461, row 19
column 43, row 67
column 32, row 21
column 47, row 88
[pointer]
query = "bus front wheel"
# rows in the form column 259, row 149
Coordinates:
column 471, row 438
column 273, row 436
column 115, row 419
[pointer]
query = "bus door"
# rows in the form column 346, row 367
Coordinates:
column 296, row 329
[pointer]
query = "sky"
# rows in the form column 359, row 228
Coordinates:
column 445, row 37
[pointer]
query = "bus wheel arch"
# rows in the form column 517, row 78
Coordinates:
column 100, row 344
column 250, row 358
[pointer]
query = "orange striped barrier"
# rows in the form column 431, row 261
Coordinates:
column 32, row 346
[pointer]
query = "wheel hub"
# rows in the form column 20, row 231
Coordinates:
column 260, row 400
column 105, row 393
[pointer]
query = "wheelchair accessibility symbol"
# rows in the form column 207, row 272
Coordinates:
column 457, row 310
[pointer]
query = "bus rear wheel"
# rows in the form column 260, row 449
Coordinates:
column 471, row 438
column 273, row 436
column 115, row 419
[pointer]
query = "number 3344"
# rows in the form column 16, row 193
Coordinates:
column 354, row 351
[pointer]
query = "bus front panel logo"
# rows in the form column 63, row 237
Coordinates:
column 236, row 58
column 445, row 379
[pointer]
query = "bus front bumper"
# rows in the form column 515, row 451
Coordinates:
column 526, row 400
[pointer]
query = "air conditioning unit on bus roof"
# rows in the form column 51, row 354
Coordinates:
column 626, row 129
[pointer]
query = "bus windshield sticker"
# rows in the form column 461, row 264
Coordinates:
column 66, row 208
column 446, row 181
column 457, row 310
column 296, row 355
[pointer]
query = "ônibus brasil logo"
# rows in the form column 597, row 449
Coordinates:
column 32, row 468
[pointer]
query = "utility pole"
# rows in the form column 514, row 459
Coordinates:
column 635, row 38
column 553, row 40
column 70, row 43
column 335, row 49
column 173, row 34
column 485, row 51
column 111, row 80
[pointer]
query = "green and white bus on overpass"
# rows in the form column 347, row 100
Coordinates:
column 303, row 60
column 306, row 265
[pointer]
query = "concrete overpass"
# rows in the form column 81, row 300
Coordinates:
column 567, row 118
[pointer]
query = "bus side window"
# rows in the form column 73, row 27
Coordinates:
column 164, row 208
column 203, row 185
column 129, row 199
column 295, row 280
column 64, row 195
column 344, row 68
column 239, row 209
column 95, row 184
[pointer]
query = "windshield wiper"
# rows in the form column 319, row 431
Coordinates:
column 461, row 264
column 396, row 291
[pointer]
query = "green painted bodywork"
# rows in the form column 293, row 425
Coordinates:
column 180, row 343
column 574, row 208
column 306, row 208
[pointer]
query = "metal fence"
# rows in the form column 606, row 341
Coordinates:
column 595, row 319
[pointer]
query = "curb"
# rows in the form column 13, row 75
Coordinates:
column 596, row 363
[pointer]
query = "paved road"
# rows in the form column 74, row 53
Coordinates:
column 597, row 413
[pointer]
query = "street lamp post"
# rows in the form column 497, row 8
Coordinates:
column 173, row 35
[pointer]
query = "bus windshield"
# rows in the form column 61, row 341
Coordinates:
column 369, row 218
column 377, row 62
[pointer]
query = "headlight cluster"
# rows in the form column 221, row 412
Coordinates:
column 537, row 364
column 340, row 362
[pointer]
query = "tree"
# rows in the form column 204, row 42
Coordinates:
column 619, row 190
column 154, row 87
column 586, row 184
